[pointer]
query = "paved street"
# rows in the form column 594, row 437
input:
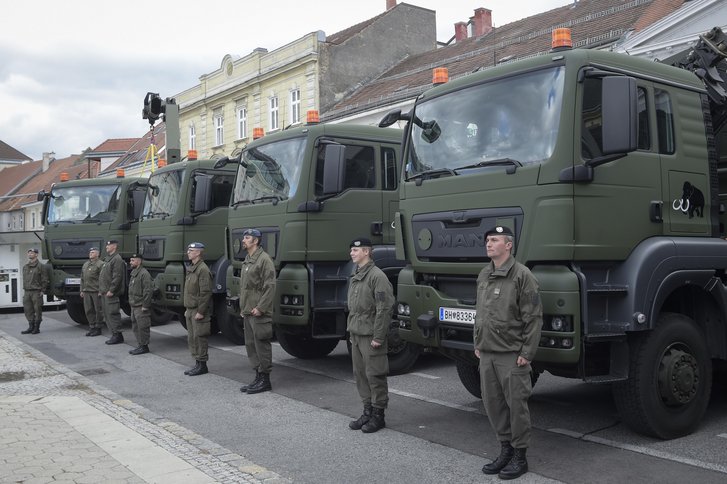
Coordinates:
column 114, row 412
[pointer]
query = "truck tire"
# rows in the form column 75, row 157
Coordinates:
column 159, row 317
column 303, row 346
column 402, row 354
column 74, row 306
column 670, row 378
column 231, row 326
column 469, row 375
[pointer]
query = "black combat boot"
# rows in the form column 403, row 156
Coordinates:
column 258, row 376
column 201, row 369
column 31, row 325
column 94, row 332
column 139, row 350
column 194, row 368
column 116, row 338
column 502, row 460
column 358, row 423
column 263, row 385
column 376, row 422
column 517, row 466
column 36, row 328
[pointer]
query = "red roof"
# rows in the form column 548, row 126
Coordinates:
column 115, row 145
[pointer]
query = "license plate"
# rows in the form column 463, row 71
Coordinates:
column 73, row 281
column 455, row 315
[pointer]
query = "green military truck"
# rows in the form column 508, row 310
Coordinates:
column 81, row 214
column 310, row 190
column 612, row 173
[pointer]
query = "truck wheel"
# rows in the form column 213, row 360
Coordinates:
column 670, row 378
column 231, row 326
column 159, row 317
column 402, row 354
column 469, row 375
column 74, row 306
column 303, row 346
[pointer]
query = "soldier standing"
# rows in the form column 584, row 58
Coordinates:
column 198, row 307
column 506, row 335
column 257, row 288
column 140, row 302
column 90, row 292
column 111, row 287
column 35, row 283
column 370, row 304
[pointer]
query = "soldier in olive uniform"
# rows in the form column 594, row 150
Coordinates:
column 257, row 288
column 35, row 283
column 198, row 307
column 111, row 284
column 89, row 292
column 506, row 336
column 140, row 302
column 370, row 305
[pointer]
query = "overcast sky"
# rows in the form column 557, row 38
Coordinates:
column 74, row 73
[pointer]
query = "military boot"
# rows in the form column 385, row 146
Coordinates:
column 139, row 350
column 258, row 376
column 194, row 368
column 358, row 423
column 201, row 369
column 116, row 338
column 375, row 423
column 263, row 385
column 31, row 325
column 517, row 466
column 36, row 328
column 94, row 332
column 502, row 460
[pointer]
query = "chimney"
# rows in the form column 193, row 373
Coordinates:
column 460, row 31
column 47, row 158
column 481, row 22
column 390, row 4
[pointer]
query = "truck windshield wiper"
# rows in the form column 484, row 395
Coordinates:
column 435, row 173
column 64, row 222
column 155, row 214
column 241, row 202
column 268, row 198
column 91, row 220
column 496, row 162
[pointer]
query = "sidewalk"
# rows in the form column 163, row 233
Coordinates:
column 58, row 426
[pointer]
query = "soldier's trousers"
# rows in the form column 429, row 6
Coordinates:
column 506, row 388
column 141, row 325
column 370, row 367
column 92, row 308
column 33, row 305
column 197, row 333
column 258, row 337
column 112, row 313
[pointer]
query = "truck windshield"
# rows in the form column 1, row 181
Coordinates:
column 162, row 194
column 269, row 172
column 513, row 120
column 84, row 204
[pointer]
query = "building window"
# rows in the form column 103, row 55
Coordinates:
column 32, row 220
column 241, row 123
column 274, row 121
column 192, row 137
column 295, row 106
column 219, row 128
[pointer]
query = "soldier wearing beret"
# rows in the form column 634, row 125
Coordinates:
column 506, row 335
column 89, row 292
column 140, row 302
column 197, row 307
column 257, row 288
column 111, row 282
column 370, row 305
column 35, row 283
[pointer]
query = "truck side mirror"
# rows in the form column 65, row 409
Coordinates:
column 334, row 169
column 42, row 195
column 202, row 194
column 620, row 120
column 135, row 204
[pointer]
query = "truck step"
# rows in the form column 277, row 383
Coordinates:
column 608, row 289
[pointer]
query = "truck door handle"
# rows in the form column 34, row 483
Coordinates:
column 655, row 213
column 377, row 228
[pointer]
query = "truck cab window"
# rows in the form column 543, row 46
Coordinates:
column 664, row 122
column 388, row 168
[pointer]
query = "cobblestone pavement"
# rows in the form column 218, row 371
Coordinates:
column 58, row 426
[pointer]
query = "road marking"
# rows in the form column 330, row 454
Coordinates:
column 164, row 333
column 424, row 375
column 724, row 436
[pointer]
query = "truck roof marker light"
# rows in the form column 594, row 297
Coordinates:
column 120, row 173
column 161, row 163
column 257, row 133
column 561, row 39
column 312, row 117
column 191, row 154
column 64, row 176
column 440, row 75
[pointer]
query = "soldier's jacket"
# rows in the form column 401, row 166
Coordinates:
column 89, row 275
column 140, row 288
column 198, row 288
column 370, row 303
column 112, row 275
column 257, row 283
column 509, row 312
column 35, row 278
